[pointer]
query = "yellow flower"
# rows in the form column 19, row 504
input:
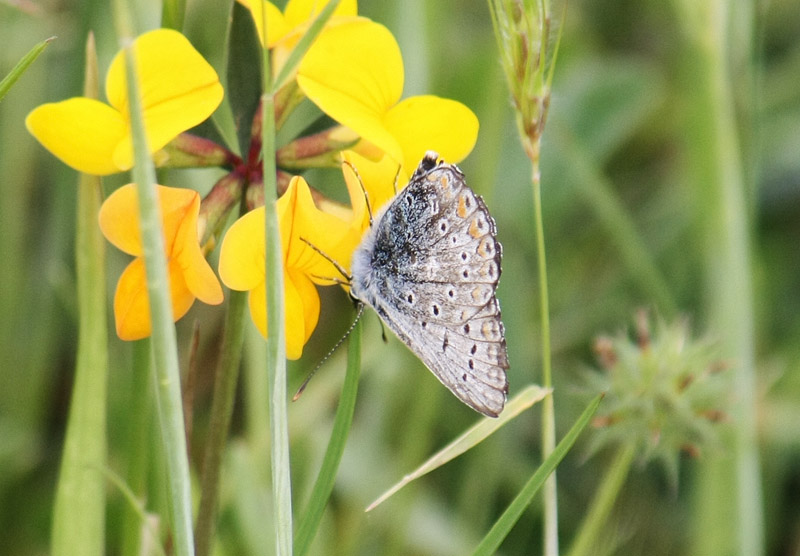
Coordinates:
column 354, row 73
column 242, row 262
column 190, row 275
column 179, row 90
column 377, row 179
column 294, row 20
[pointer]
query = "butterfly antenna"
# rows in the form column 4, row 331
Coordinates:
column 396, row 178
column 328, row 355
column 363, row 189
column 330, row 259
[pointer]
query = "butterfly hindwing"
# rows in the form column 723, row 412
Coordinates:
column 429, row 267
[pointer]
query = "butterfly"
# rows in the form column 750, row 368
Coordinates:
column 429, row 266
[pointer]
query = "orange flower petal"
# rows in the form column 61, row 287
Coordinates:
column 81, row 132
column 197, row 273
column 119, row 220
column 131, row 307
column 119, row 216
column 131, row 302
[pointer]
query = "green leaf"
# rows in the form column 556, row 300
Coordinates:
column 471, row 438
column 79, row 510
column 323, row 487
column 491, row 542
column 17, row 71
column 244, row 73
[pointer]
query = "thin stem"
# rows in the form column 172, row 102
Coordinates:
column 548, row 410
column 164, row 343
column 221, row 411
column 276, row 341
column 603, row 502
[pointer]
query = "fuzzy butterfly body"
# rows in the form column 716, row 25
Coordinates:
column 429, row 267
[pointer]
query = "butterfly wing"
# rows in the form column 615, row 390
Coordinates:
column 429, row 268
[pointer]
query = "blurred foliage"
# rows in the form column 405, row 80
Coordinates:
column 612, row 150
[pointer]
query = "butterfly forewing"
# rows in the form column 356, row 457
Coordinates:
column 429, row 267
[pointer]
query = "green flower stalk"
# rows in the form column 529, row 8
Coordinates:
column 522, row 29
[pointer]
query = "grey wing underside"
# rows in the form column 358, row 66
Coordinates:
column 443, row 304
column 470, row 362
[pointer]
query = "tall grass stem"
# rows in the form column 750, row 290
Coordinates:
column 163, row 339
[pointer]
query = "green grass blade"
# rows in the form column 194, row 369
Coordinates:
column 136, row 506
column 163, row 339
column 596, row 518
column 471, row 438
column 139, row 442
column 501, row 528
column 79, row 510
column 304, row 44
column 323, row 487
column 173, row 12
column 17, row 71
column 221, row 411
column 276, row 341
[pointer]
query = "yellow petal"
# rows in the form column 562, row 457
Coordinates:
column 428, row 122
column 277, row 27
column 302, row 11
column 258, row 307
column 131, row 306
column 200, row 279
column 81, row 132
column 354, row 73
column 379, row 179
column 182, row 298
column 119, row 216
column 302, row 312
column 300, row 220
column 119, row 220
column 311, row 303
column 241, row 257
column 179, row 89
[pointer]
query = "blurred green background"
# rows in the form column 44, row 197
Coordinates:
column 616, row 159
